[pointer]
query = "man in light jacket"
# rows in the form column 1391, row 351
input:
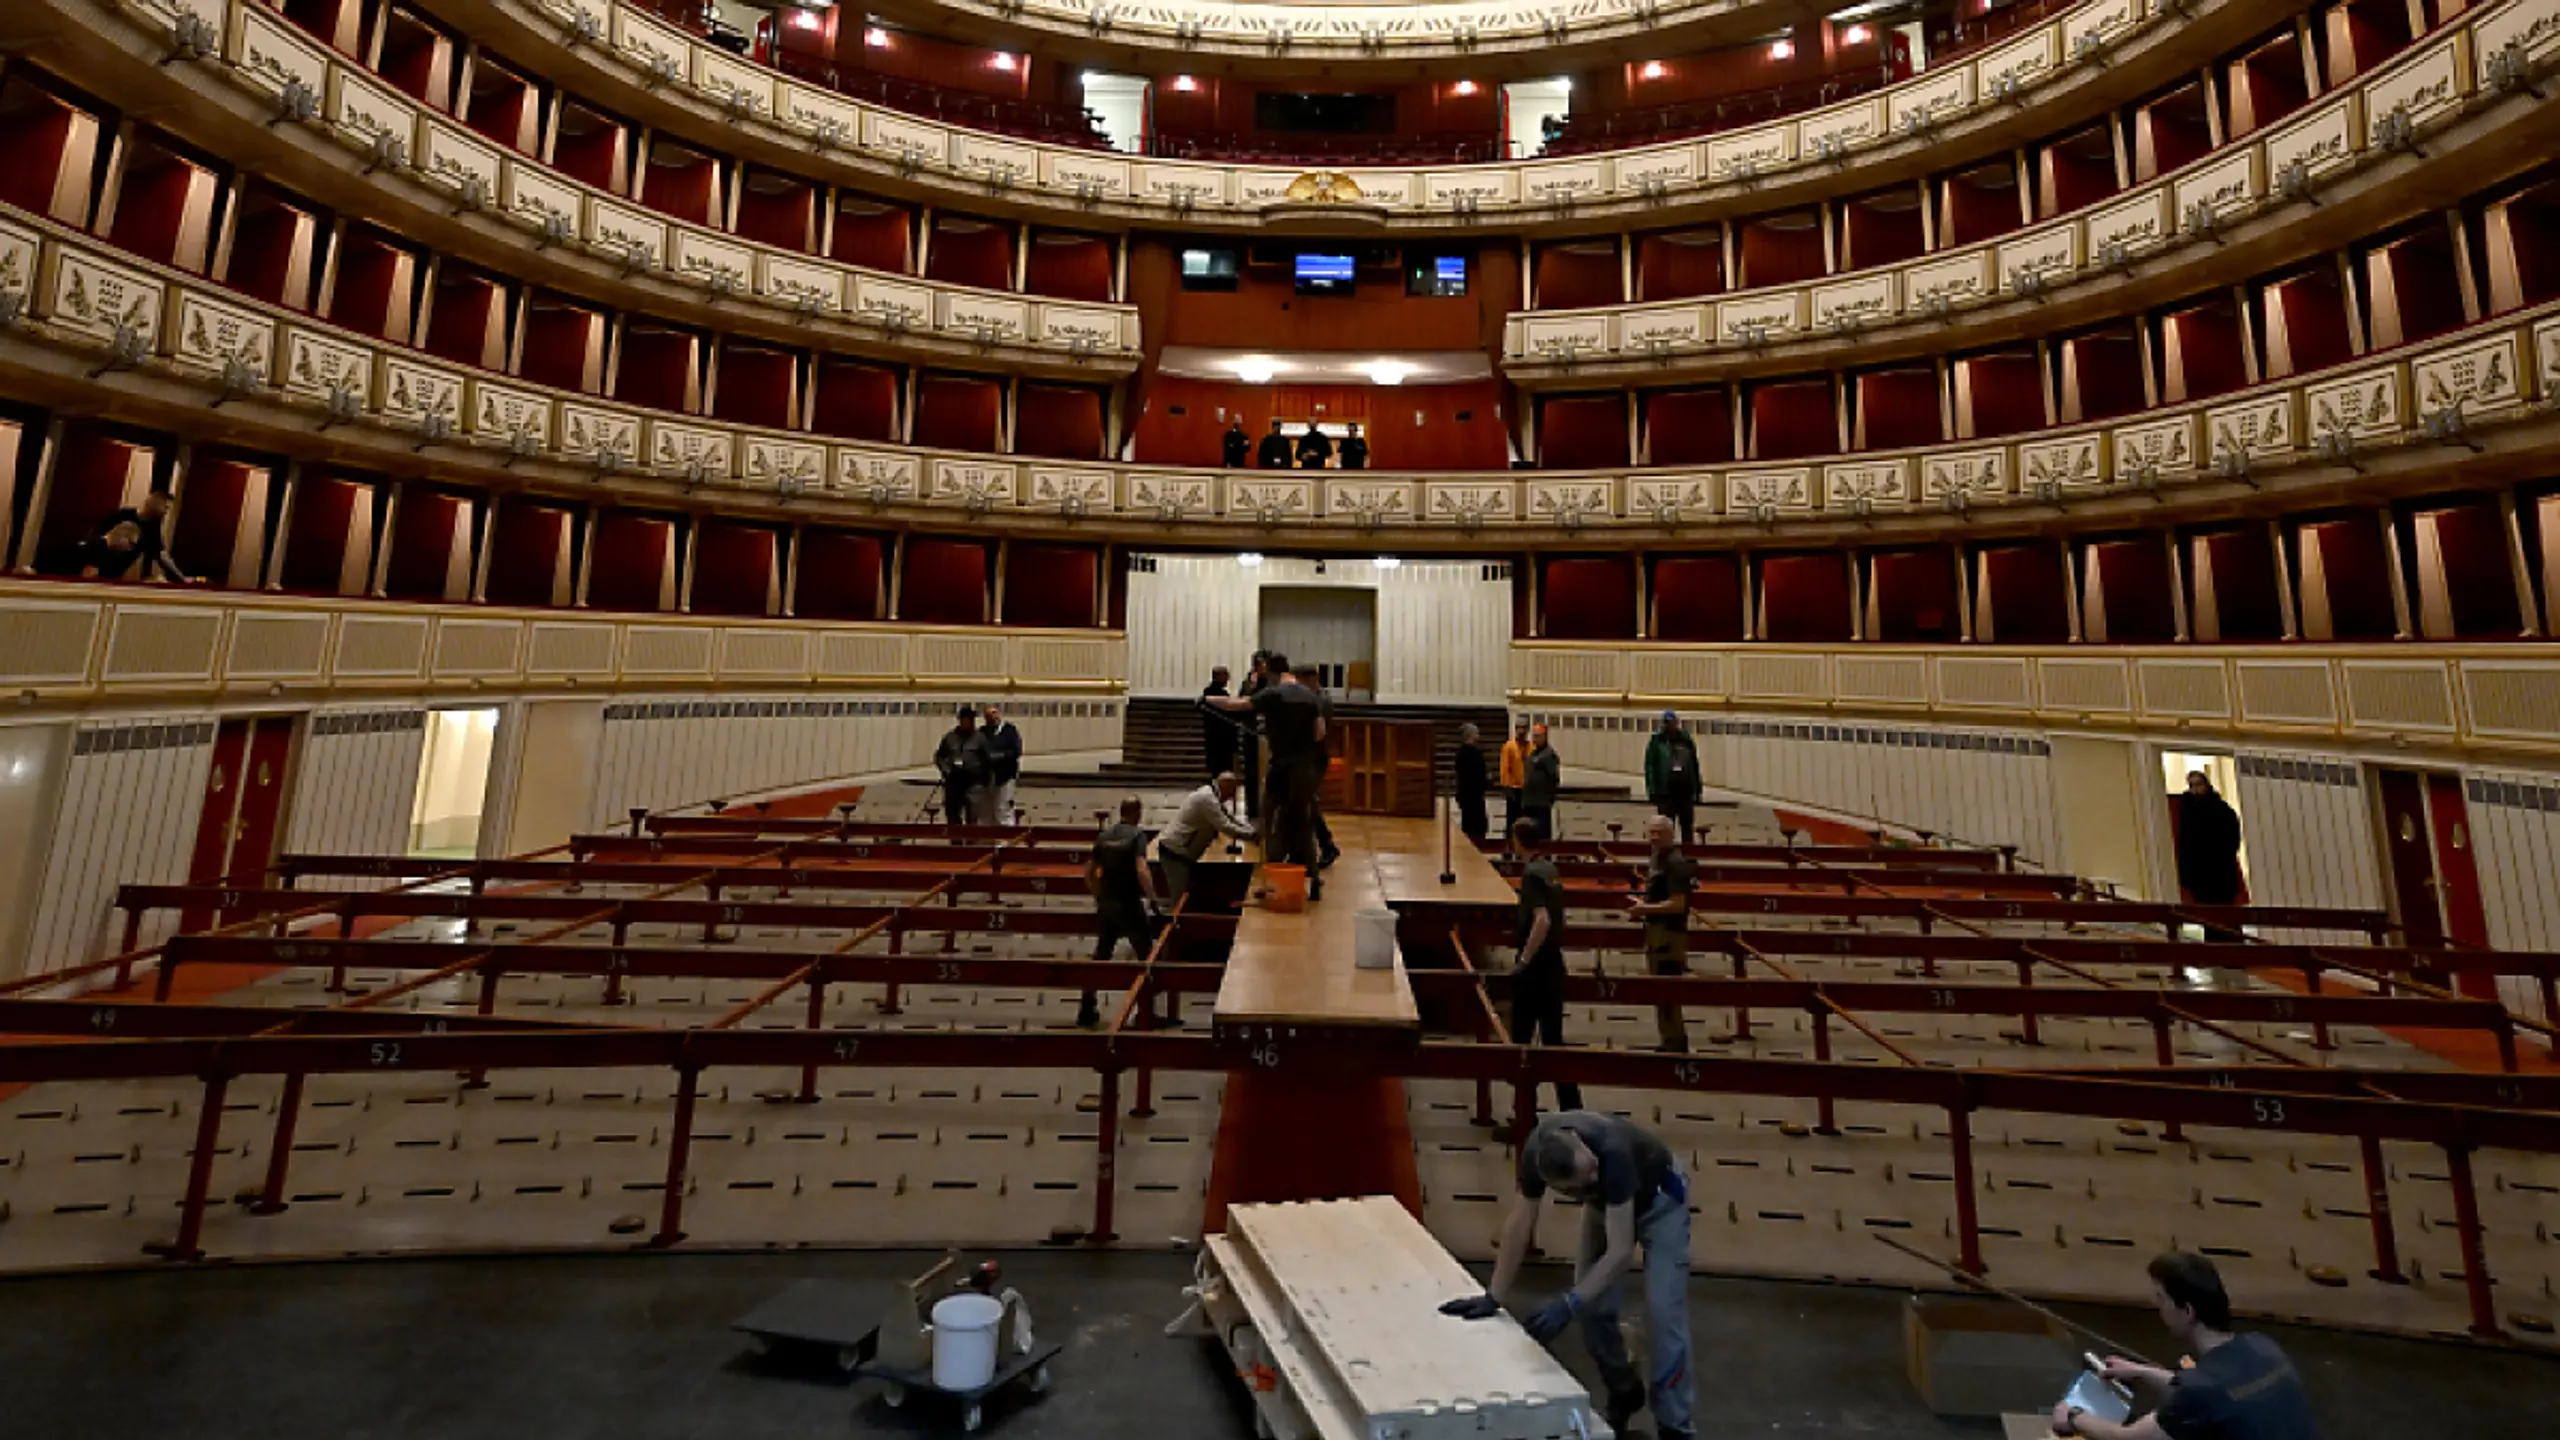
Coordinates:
column 1004, row 767
column 1206, row 814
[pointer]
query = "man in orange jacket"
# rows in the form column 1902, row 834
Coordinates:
column 1515, row 772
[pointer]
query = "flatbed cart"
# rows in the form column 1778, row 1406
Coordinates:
column 839, row 1325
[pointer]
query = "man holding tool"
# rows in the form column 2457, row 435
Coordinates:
column 2241, row 1387
column 1630, row 1189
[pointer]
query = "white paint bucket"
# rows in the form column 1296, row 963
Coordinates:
column 964, row 1341
column 1373, row 937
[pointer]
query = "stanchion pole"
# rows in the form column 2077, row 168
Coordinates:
column 679, row 1151
column 1968, row 1221
column 2377, row 1206
column 1448, row 854
column 1106, row 1180
column 280, row 1151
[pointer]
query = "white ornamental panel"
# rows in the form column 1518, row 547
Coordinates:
column 598, row 435
column 975, row 485
column 805, row 285
column 1870, row 300
column 1866, row 486
column 213, row 337
column 1468, row 504
column 697, row 452
column 96, row 300
column 1171, row 497
column 2370, row 404
column 879, row 476
column 2071, row 462
column 1570, row 503
column 1270, row 502
column 1747, row 153
column 1966, row 478
column 2158, row 447
column 2476, row 377
column 1371, row 503
column 504, row 415
column 419, row 394
column 1071, row 492
column 1672, row 499
column 2259, row 428
column 319, row 363
column 788, row 467
column 1765, row 494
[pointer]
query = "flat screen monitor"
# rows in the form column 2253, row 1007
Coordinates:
column 1208, row 269
column 1324, row 274
column 1436, row 275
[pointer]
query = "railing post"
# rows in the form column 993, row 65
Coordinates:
column 679, row 1151
column 280, row 1151
column 817, row 1018
column 1968, row 1220
column 188, row 1245
column 2167, row 1050
column 1106, row 1176
column 2027, row 1031
column 132, row 942
column 2377, row 1208
column 2475, row 1259
column 1826, row 1122
column 2319, row 1026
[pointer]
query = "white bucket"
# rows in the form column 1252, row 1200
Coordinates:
column 964, row 1341
column 1373, row 939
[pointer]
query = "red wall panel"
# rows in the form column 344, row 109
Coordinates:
column 89, row 476
column 2026, row 589
column 660, row 369
column 315, row 548
column 842, row 576
column 734, row 569
column 1071, row 267
column 1804, row 599
column 1698, row 598
column 1914, row 598
column 1780, row 251
column 1582, row 432
column 2131, row 577
column 970, row 252
column 1688, row 427
column 855, row 401
column 2007, row 394
column 1589, row 598
column 1059, row 422
column 1791, row 419
column 2241, row 567
column 1051, row 585
column 2358, row 578
column 1897, row 408
column 632, row 557
column 1680, row 263
column 422, row 540
column 875, row 237
column 525, row 552
column 1578, row 274
column 958, row 412
column 946, row 582
column 757, row 387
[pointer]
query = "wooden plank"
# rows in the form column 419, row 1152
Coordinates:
column 1298, row 970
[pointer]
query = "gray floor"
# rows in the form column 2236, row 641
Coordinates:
column 638, row 1346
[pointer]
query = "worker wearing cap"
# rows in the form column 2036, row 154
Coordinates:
column 965, row 765
column 1631, row 1191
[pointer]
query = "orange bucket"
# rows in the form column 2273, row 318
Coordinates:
column 1288, row 892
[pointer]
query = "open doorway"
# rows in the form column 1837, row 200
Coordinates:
column 2213, row 861
column 1332, row 627
column 453, row 783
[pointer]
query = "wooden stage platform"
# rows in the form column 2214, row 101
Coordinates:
column 1290, row 982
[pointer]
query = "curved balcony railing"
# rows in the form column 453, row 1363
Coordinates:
column 128, row 336
column 2467, row 76
column 306, row 87
column 2101, row 50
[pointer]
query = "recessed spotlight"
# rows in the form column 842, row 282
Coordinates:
column 1386, row 562
column 804, row 19
column 1854, row 35
column 875, row 37
column 1249, row 559
column 1389, row 372
column 1652, row 70
column 999, row 61
column 1256, row 370
column 1463, row 87
column 1783, row 50
column 1185, row 84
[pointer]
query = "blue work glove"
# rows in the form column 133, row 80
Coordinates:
column 1473, row 1307
column 1548, row 1320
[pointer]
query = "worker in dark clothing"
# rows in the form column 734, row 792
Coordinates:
column 1545, row 777
column 965, row 766
column 2235, row 1387
column 1217, row 732
column 1631, row 1192
column 1123, row 892
column 1235, row 447
column 1274, row 452
column 1315, row 448
column 1468, row 763
column 1669, row 879
column 2208, row 848
column 128, row 537
column 1537, row 976
column 1312, row 677
column 1293, row 725
column 1671, row 774
column 1249, row 735
column 1355, row 450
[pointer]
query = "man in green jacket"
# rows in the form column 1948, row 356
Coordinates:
column 1671, row 774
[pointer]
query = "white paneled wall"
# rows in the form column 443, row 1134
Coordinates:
column 662, row 754
column 357, row 784
column 2309, row 832
column 1444, row 627
column 2515, row 828
column 128, row 815
column 1977, row 787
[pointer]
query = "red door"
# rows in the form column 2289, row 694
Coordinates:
column 2407, row 845
column 2466, row 920
column 243, row 803
column 212, row 857
column 254, row 828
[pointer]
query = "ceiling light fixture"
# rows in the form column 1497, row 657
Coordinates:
column 804, row 19
column 1000, row 61
column 1854, row 35
column 876, row 38
column 1783, row 50
column 1389, row 372
column 1386, row 562
column 1256, row 370
column 1652, row 70
column 1249, row 559
column 1185, row 84
column 1463, row 87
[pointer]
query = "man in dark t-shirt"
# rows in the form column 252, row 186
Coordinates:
column 1669, row 877
column 1292, row 719
column 1275, row 452
column 1537, row 978
column 2241, row 1387
column 1631, row 1191
column 1116, row 872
